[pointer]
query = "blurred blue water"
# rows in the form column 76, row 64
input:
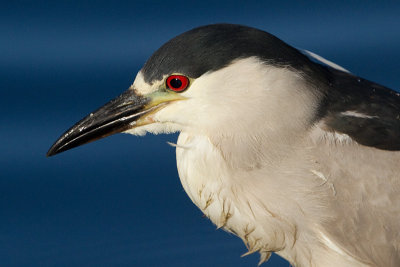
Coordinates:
column 119, row 201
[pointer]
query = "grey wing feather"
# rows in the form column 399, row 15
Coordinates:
column 366, row 180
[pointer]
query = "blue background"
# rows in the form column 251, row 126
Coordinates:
column 118, row 201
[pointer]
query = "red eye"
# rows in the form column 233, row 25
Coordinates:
column 177, row 83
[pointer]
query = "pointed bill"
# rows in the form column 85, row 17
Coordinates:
column 120, row 114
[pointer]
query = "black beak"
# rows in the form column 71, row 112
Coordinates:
column 118, row 115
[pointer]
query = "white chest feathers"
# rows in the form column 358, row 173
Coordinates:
column 214, row 189
column 265, row 214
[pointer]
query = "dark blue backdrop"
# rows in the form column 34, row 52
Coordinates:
column 119, row 201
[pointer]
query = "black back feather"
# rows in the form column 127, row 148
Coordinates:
column 379, row 107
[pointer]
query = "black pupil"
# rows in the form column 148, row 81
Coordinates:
column 176, row 83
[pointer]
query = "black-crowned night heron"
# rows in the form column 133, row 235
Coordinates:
column 292, row 156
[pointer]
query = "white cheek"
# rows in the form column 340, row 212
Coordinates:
column 180, row 113
column 248, row 92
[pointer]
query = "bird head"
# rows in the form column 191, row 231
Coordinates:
column 222, row 81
